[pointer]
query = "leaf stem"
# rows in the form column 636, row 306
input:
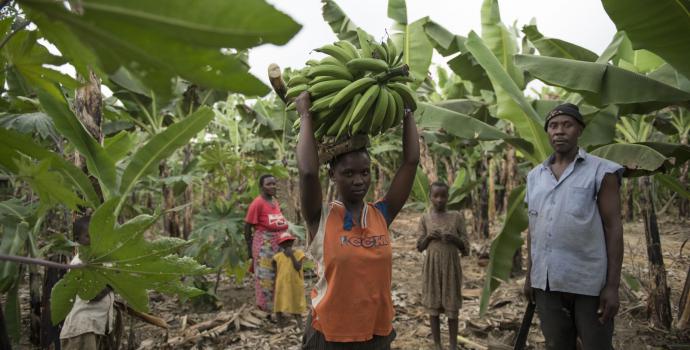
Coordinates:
column 36, row 261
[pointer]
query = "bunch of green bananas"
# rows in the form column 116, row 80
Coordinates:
column 355, row 90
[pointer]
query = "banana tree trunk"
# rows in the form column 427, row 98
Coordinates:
column 492, row 192
column 4, row 337
column 684, row 305
column 380, row 182
column 659, row 301
column 188, row 197
column 50, row 334
column 171, row 220
column 481, row 211
column 684, row 203
column 427, row 162
column 450, row 169
column 34, row 305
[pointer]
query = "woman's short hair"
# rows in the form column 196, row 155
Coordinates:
column 439, row 184
column 263, row 177
column 335, row 160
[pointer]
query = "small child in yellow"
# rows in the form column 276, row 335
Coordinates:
column 289, row 286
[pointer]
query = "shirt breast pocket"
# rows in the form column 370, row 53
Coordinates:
column 579, row 201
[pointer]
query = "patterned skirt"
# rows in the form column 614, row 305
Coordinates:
column 263, row 248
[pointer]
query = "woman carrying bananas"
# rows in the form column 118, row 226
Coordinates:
column 351, row 304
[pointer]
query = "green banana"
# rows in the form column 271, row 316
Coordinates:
column 338, row 52
column 322, row 103
column 367, row 64
column 399, row 108
column 327, row 87
column 402, row 79
column 363, row 38
column 312, row 62
column 380, row 111
column 392, row 50
column 363, row 106
column 406, row 93
column 297, row 79
column 390, row 112
column 345, row 122
column 330, row 70
column 331, row 60
column 321, row 79
column 346, row 94
column 296, row 90
column 347, row 46
column 380, row 51
column 335, row 123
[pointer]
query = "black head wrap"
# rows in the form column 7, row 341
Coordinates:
column 565, row 109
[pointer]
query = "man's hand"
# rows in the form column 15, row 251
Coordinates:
column 608, row 304
column 434, row 235
column 527, row 290
column 303, row 103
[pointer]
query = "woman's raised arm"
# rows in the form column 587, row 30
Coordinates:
column 308, row 166
column 404, row 178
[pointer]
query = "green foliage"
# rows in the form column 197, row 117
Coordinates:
column 15, row 145
column 602, row 84
column 556, row 47
column 512, row 104
column 340, row 23
column 98, row 162
column 146, row 159
column 445, row 42
column 660, row 27
column 504, row 245
column 156, row 43
column 49, row 185
column 120, row 257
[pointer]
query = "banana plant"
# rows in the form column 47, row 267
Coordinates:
column 660, row 27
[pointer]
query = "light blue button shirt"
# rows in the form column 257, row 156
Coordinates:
column 566, row 231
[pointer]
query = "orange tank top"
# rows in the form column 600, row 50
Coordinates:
column 352, row 300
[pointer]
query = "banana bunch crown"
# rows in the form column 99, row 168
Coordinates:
column 355, row 90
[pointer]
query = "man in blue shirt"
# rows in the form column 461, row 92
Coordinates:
column 575, row 240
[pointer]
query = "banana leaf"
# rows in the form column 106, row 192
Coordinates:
column 673, row 184
column 512, row 104
column 157, row 43
column 417, row 51
column 637, row 159
column 146, row 159
column 661, row 27
column 602, row 84
column 504, row 246
column 445, row 42
column 397, row 11
column 466, row 127
column 500, row 40
column 667, row 75
column 557, row 47
column 340, row 23
column 97, row 160
column 467, row 68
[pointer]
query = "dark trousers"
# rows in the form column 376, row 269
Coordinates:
column 566, row 316
column 314, row 340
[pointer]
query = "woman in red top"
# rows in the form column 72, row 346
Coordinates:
column 266, row 220
column 351, row 306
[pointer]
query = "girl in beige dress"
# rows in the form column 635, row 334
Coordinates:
column 443, row 236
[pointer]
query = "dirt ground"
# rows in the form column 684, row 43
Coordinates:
column 495, row 330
